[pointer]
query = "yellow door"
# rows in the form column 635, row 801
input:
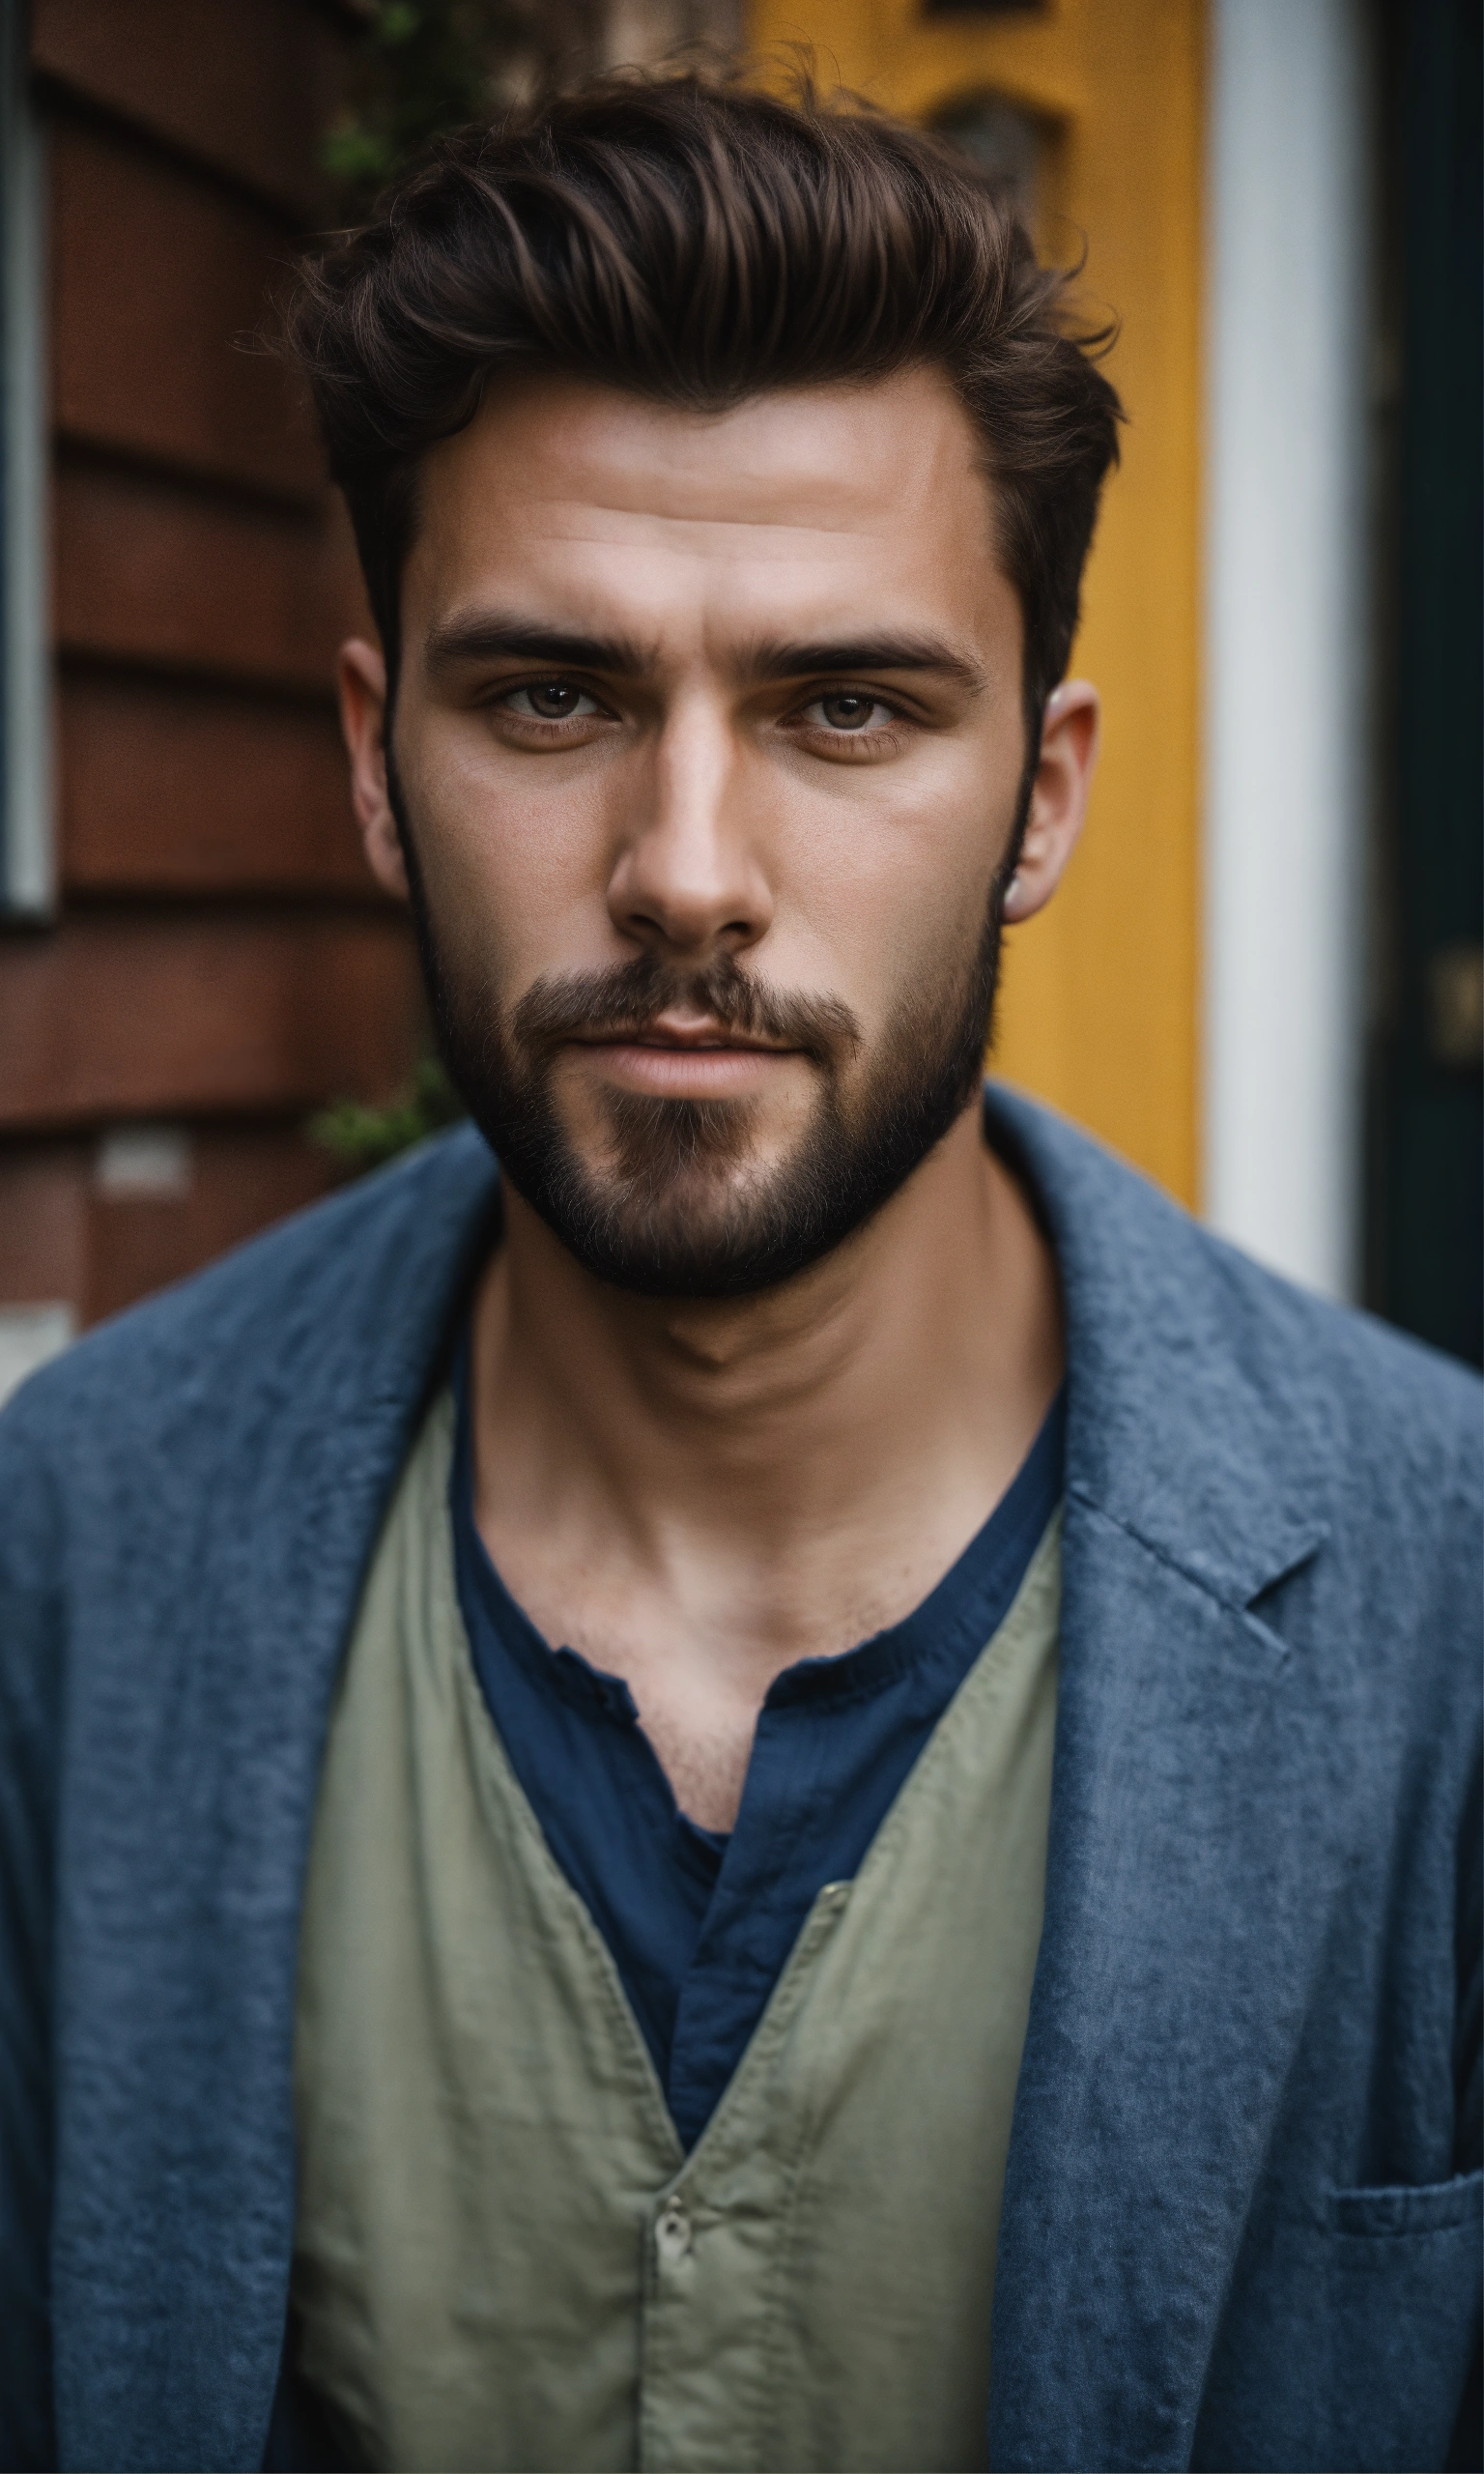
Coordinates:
column 1094, row 108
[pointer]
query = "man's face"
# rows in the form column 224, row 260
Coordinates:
column 708, row 738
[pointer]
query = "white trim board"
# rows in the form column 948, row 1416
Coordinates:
column 1287, row 631
column 27, row 851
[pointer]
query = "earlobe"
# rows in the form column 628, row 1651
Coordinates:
column 381, row 844
column 362, row 682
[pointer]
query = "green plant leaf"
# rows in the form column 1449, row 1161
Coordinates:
column 358, row 1138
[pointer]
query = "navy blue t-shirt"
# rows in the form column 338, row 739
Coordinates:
column 700, row 1924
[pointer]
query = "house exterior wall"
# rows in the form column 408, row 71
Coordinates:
column 219, row 964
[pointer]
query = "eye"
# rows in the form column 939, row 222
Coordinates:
column 848, row 708
column 551, row 700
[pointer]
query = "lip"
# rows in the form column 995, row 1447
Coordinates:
column 681, row 1035
column 674, row 1062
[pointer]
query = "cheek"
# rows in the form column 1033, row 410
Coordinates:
column 882, row 883
column 514, row 860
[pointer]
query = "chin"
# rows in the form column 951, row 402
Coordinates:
column 704, row 1229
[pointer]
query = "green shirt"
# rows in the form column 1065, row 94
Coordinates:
column 503, row 2257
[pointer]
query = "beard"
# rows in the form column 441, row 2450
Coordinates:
column 676, row 1204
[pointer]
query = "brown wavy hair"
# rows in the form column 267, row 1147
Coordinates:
column 696, row 241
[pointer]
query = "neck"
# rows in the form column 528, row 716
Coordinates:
column 885, row 1397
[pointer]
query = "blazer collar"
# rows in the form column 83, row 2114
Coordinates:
column 1188, row 1422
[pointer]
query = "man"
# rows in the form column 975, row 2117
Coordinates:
column 637, row 1784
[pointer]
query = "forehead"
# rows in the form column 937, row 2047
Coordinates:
column 822, row 503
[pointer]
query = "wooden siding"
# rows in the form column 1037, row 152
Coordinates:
column 147, row 572
column 186, row 787
column 190, row 1013
column 160, row 282
column 244, row 86
column 63, row 1236
column 221, row 962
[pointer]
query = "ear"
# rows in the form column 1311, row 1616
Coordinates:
column 1064, row 774
column 362, row 680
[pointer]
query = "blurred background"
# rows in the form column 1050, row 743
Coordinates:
column 1262, row 981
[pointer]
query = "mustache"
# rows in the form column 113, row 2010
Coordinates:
column 609, row 1004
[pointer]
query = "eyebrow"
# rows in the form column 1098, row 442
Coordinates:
column 493, row 636
column 856, row 653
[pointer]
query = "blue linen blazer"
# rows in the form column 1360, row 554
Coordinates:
column 1242, row 2215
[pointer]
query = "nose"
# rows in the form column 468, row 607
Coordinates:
column 688, row 877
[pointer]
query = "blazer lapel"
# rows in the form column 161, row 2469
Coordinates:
column 1168, row 1987
column 254, row 1422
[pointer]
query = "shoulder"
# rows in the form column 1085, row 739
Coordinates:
column 1391, row 1430
column 279, row 1317
column 1349, row 1380
column 1232, row 1362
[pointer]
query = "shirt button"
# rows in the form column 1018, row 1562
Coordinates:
column 835, row 1894
column 672, row 2232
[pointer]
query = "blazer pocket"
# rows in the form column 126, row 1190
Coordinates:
column 1395, row 2287
column 1392, row 2211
